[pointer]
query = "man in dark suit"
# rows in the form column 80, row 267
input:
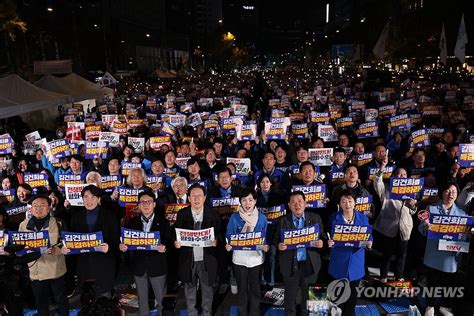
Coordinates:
column 224, row 188
column 149, row 266
column 198, row 262
column 299, row 267
column 176, row 194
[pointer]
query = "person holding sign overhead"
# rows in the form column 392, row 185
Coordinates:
column 247, row 263
column 299, row 267
column 148, row 266
column 48, row 271
column 442, row 264
column 348, row 262
column 198, row 262
column 100, row 265
column 393, row 226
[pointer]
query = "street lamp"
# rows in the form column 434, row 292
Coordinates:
column 49, row 9
column 229, row 36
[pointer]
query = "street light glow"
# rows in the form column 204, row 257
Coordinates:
column 147, row 35
column 327, row 12
column 49, row 9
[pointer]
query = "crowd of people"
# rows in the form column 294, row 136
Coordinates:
column 248, row 137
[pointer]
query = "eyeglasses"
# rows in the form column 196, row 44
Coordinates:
column 147, row 202
column 451, row 192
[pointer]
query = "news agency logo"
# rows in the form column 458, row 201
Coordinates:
column 339, row 292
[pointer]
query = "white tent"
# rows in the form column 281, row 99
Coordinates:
column 79, row 88
column 18, row 96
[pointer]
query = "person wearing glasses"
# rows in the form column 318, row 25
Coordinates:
column 442, row 265
column 198, row 262
column 49, row 270
column 149, row 266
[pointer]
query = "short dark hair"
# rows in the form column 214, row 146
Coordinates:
column 346, row 193
column 269, row 153
column 158, row 159
column 114, row 158
column 94, row 190
column 418, row 149
column 379, row 144
column 263, row 176
column 248, row 191
column 446, row 186
column 295, row 193
column 339, row 150
column 197, row 186
column 25, row 186
column 192, row 161
column 224, row 169
column 129, row 147
column 39, row 196
column 77, row 157
column 301, row 147
column 147, row 193
column 306, row 163
column 350, row 165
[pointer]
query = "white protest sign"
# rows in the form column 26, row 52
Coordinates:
column 33, row 136
column 242, row 165
column 138, row 143
column 112, row 138
column 73, row 194
column 321, row 156
column 195, row 238
column 453, row 245
column 327, row 133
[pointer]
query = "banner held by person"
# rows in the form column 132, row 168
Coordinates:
column 315, row 195
column 79, row 243
column 273, row 213
column 351, row 235
column 242, row 165
column 110, row 182
column 195, row 238
column 57, row 149
column 405, row 188
column 69, row 179
column 321, row 156
column 247, row 241
column 33, row 241
column 73, row 194
column 466, row 155
column 364, row 204
column 140, row 240
column 171, row 211
column 36, row 180
column 96, row 150
column 452, row 231
column 300, row 238
column 225, row 206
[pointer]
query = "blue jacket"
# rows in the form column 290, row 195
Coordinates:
column 236, row 223
column 58, row 171
column 437, row 259
column 347, row 262
column 276, row 176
